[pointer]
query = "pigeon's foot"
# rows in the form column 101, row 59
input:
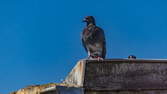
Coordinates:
column 100, row 58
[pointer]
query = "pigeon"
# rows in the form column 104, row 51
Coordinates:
column 93, row 39
column 132, row 57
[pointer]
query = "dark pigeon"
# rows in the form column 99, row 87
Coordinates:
column 132, row 57
column 93, row 39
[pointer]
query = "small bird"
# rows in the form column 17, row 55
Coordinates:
column 93, row 39
column 132, row 57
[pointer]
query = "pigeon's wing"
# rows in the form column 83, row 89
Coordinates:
column 83, row 41
column 104, row 49
column 100, row 37
column 84, row 45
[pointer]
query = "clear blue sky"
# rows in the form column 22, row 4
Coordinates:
column 40, row 39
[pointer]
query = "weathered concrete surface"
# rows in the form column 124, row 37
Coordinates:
column 64, row 90
column 119, row 74
column 51, row 88
column 36, row 89
column 128, row 92
column 77, row 75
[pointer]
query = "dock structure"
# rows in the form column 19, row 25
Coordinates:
column 113, row 76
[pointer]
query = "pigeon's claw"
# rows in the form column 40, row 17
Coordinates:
column 99, row 58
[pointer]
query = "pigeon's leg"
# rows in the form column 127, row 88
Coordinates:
column 98, row 58
column 99, row 54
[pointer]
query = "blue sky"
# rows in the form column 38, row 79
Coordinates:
column 40, row 39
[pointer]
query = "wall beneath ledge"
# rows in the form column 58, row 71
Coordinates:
column 128, row 92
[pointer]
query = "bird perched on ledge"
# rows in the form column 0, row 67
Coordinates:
column 93, row 39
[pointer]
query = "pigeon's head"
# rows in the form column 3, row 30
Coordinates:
column 89, row 20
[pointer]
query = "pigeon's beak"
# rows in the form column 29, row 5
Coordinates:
column 84, row 20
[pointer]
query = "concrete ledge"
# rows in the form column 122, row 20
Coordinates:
column 112, row 76
column 119, row 74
